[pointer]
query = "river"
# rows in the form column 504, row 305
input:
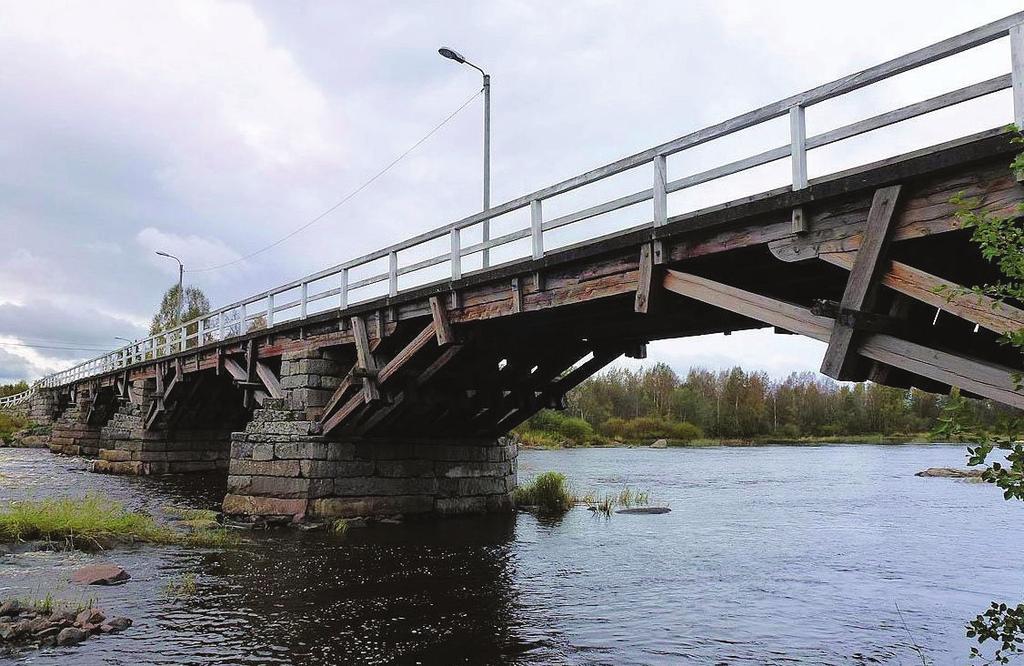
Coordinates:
column 772, row 555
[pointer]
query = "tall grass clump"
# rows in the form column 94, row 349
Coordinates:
column 93, row 521
column 549, row 492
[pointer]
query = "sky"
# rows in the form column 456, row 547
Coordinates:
column 210, row 130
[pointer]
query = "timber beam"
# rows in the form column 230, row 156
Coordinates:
column 840, row 361
column 975, row 376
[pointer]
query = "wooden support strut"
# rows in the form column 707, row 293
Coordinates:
column 644, row 280
column 979, row 377
column 943, row 294
column 365, row 360
column 840, row 360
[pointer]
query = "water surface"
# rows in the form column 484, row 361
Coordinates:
column 771, row 555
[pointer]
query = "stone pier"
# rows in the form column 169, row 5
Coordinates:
column 72, row 434
column 127, row 448
column 281, row 467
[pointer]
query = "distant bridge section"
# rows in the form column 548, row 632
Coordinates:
column 322, row 401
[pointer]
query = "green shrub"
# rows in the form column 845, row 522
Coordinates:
column 11, row 423
column 649, row 427
column 548, row 429
column 549, row 492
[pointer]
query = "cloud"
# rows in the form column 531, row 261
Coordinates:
column 14, row 368
column 63, row 333
column 200, row 252
column 210, row 129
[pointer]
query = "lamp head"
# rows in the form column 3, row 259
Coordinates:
column 451, row 54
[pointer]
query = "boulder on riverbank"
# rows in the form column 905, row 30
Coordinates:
column 660, row 444
column 44, row 625
column 951, row 473
column 645, row 510
column 100, row 574
column 33, row 437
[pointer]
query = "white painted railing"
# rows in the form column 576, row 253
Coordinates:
column 262, row 310
column 16, row 399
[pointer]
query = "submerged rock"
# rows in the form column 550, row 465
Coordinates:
column 951, row 473
column 71, row 636
column 645, row 509
column 100, row 574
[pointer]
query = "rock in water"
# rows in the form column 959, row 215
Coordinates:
column 660, row 444
column 71, row 636
column 119, row 624
column 645, row 509
column 12, row 607
column 90, row 616
column 100, row 574
column 951, row 473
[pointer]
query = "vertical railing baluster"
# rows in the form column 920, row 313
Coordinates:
column 343, row 288
column 304, row 299
column 798, row 146
column 241, row 321
column 220, row 325
column 200, row 329
column 184, row 338
column 392, row 274
column 537, row 228
column 270, row 310
column 456, row 255
column 1017, row 69
column 660, row 195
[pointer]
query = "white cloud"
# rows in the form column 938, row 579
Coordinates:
column 198, row 251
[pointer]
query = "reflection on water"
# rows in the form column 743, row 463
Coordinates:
column 770, row 555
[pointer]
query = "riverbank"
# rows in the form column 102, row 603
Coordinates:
column 707, row 442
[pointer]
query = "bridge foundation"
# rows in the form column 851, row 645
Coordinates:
column 72, row 434
column 278, row 469
column 42, row 407
column 282, row 467
column 126, row 446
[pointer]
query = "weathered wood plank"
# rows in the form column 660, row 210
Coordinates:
column 839, row 361
column 985, row 379
column 269, row 379
column 406, row 354
column 953, row 298
column 442, row 326
column 644, row 278
column 365, row 359
column 761, row 308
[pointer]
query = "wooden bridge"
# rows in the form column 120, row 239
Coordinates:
column 320, row 398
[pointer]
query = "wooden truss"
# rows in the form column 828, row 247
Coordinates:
column 979, row 377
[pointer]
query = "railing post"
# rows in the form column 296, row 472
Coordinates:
column 184, row 338
column 241, row 321
column 456, row 255
column 343, row 288
column 798, row 146
column 392, row 274
column 1017, row 69
column 660, row 195
column 537, row 228
column 220, row 325
column 270, row 310
column 304, row 300
column 200, row 329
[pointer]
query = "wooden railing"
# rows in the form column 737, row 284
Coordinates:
column 16, row 399
column 333, row 287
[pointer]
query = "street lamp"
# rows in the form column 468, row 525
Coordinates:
column 452, row 54
column 118, row 337
column 181, row 275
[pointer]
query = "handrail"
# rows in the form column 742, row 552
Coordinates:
column 17, row 398
column 260, row 310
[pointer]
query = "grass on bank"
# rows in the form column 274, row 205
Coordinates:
column 550, row 493
column 95, row 521
column 11, row 423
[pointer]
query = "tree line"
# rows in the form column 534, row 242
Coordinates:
column 654, row 401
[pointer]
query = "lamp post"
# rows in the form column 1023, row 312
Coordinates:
column 452, row 54
column 181, row 275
